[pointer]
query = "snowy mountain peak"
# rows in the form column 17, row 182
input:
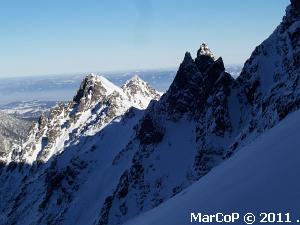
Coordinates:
column 205, row 51
column 140, row 92
column 92, row 75
column 134, row 80
column 94, row 88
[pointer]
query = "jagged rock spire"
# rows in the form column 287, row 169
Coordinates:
column 204, row 50
column 205, row 58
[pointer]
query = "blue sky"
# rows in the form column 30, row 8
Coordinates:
column 64, row 36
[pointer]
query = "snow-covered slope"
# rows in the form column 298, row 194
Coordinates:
column 270, row 79
column 261, row 177
column 12, row 132
column 68, row 188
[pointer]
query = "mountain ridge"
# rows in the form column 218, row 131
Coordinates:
column 96, row 103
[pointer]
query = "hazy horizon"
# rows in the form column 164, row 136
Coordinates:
column 82, row 73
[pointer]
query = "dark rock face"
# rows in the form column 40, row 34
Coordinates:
column 212, row 74
column 295, row 5
column 184, row 88
column 214, row 125
column 193, row 83
column 88, row 87
column 293, row 14
column 149, row 132
column 90, row 91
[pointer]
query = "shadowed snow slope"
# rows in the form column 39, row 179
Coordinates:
column 262, row 177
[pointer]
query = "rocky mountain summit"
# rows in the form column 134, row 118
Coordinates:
column 139, row 92
column 106, row 156
column 95, row 105
column 204, row 50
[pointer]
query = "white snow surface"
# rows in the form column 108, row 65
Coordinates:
column 261, row 177
column 109, row 86
column 103, row 177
